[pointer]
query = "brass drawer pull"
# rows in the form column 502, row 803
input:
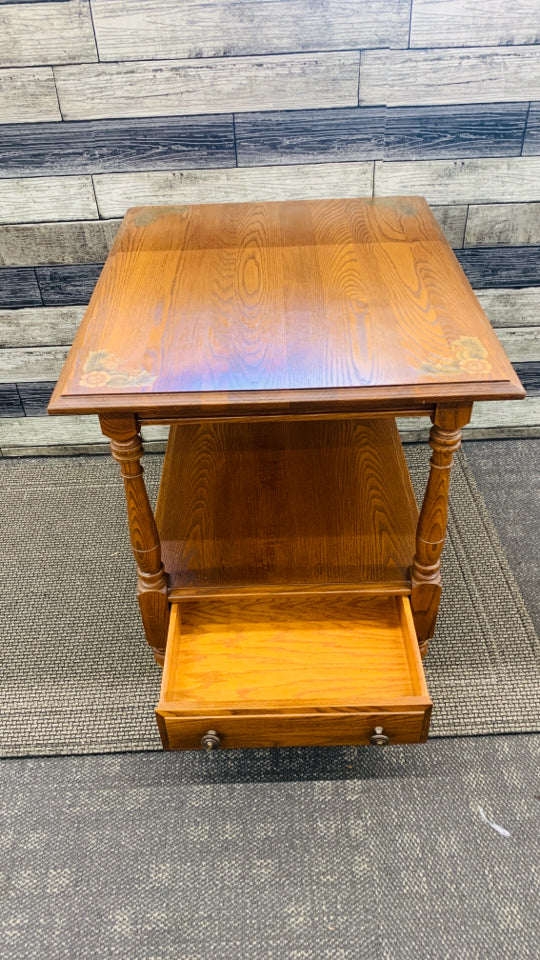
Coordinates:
column 210, row 740
column 379, row 738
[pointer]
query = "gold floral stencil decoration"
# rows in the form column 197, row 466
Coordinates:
column 104, row 369
column 469, row 356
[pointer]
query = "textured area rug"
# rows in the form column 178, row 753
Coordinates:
column 350, row 854
column 77, row 676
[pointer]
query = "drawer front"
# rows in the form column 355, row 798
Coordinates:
column 298, row 730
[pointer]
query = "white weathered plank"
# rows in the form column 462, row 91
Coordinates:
column 28, row 96
column 474, row 75
column 33, row 244
column 116, row 192
column 508, row 308
column 31, row 199
column 39, row 326
column 32, row 364
column 159, row 29
column 488, row 415
column 522, row 344
column 20, row 433
column 452, row 220
column 461, row 181
column 445, row 23
column 170, row 88
column 512, row 224
column 36, row 33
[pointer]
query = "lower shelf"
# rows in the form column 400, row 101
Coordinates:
column 292, row 671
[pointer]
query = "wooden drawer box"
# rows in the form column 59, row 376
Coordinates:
column 292, row 671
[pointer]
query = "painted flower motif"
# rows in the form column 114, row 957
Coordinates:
column 96, row 378
column 103, row 368
column 475, row 365
column 469, row 356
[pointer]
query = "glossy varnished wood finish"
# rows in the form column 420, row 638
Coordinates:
column 307, row 506
column 152, row 583
column 245, row 305
column 444, row 440
column 351, row 664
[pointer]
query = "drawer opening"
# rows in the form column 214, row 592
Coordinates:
column 289, row 670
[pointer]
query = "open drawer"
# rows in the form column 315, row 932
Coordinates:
column 292, row 671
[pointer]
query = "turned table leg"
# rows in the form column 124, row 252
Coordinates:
column 444, row 440
column 152, row 584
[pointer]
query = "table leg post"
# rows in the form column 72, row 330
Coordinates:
column 444, row 440
column 152, row 583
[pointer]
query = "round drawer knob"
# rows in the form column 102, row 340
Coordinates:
column 379, row 738
column 210, row 740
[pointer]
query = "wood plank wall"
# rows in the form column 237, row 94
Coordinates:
column 109, row 103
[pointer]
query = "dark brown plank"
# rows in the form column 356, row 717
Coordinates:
column 479, row 130
column 19, row 288
column 101, row 146
column 303, row 136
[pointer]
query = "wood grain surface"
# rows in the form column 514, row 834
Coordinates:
column 452, row 220
column 60, row 242
column 512, row 224
column 24, row 199
column 427, row 77
column 10, row 401
column 40, row 33
column 256, row 505
column 116, row 192
column 462, row 130
column 292, row 296
column 496, row 180
column 531, row 144
column 67, row 284
column 153, row 29
column 32, row 363
column 351, row 665
column 19, row 287
column 28, row 95
column 469, row 23
column 169, row 87
column 490, row 266
column 507, row 308
column 304, row 136
column 98, row 146
column 338, row 651
column 39, row 326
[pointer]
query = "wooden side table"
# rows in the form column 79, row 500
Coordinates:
column 286, row 580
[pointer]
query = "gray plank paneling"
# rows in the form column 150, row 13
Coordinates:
column 116, row 191
column 72, row 284
column 35, row 397
column 522, row 344
column 33, row 244
column 10, row 401
column 505, row 223
column 474, row 75
column 504, row 179
column 39, row 326
column 531, row 145
column 27, row 96
column 304, row 136
column 19, row 287
column 160, row 29
column 529, row 374
column 452, row 220
column 32, row 363
column 508, row 308
column 418, row 133
column 32, row 199
column 172, row 87
column 42, row 33
column 48, row 431
column 501, row 266
column 467, row 23
column 100, row 146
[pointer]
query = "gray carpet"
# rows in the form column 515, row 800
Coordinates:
column 77, row 676
column 386, row 855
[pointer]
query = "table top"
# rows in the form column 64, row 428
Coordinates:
column 297, row 305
